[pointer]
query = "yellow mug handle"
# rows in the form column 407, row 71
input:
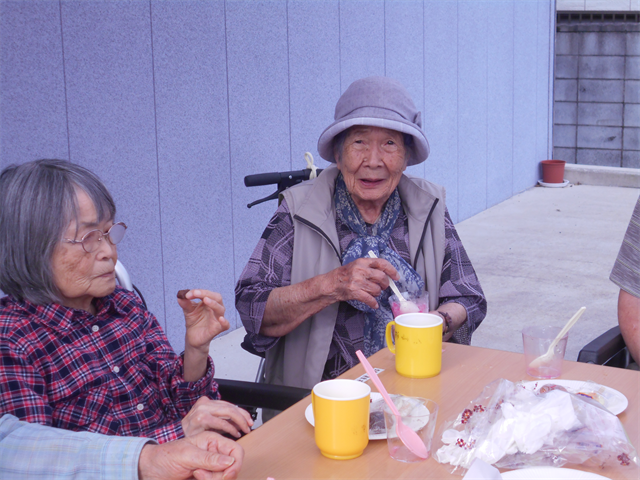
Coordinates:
column 387, row 335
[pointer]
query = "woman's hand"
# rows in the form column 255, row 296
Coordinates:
column 204, row 320
column 216, row 415
column 457, row 314
column 363, row 280
column 204, row 456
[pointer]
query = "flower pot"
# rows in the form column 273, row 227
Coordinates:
column 553, row 171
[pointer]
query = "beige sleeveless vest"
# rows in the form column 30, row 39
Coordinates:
column 298, row 359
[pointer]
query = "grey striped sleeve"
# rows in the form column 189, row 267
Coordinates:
column 626, row 270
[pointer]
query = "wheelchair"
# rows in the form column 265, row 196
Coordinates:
column 608, row 349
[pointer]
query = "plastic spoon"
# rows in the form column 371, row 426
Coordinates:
column 546, row 358
column 406, row 306
column 410, row 438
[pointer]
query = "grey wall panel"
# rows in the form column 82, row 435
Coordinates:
column 633, row 43
column 632, row 115
column 500, row 103
column 440, row 116
column 600, row 114
column 472, row 119
column 612, row 91
column 564, row 136
column 567, row 44
column 566, row 66
column 314, row 74
column 631, row 159
column 566, row 90
column 566, row 154
column 565, row 113
column 33, row 121
column 631, row 91
column 631, row 138
column 545, row 47
column 362, row 46
column 607, row 158
column 600, row 137
column 193, row 154
column 404, row 46
column 524, row 90
column 258, row 112
column 632, row 68
column 603, row 43
column 110, row 105
column 602, row 67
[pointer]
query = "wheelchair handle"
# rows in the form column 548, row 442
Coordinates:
column 292, row 177
column 284, row 180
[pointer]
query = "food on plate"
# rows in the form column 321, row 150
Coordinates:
column 551, row 386
column 588, row 390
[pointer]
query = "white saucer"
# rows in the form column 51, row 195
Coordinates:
column 540, row 473
column 553, row 185
column 614, row 401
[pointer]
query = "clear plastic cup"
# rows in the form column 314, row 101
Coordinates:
column 421, row 415
column 413, row 305
column 536, row 341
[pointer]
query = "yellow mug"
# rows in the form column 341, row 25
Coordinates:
column 341, row 418
column 416, row 343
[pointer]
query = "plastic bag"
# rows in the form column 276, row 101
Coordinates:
column 510, row 426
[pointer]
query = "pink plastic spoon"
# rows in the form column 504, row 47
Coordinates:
column 410, row 438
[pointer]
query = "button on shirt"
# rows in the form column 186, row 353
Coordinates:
column 113, row 373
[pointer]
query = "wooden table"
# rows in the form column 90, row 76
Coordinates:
column 285, row 448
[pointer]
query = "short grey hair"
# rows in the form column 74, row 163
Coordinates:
column 38, row 201
column 339, row 139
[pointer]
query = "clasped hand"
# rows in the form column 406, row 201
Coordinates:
column 216, row 415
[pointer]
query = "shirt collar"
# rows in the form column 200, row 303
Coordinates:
column 60, row 317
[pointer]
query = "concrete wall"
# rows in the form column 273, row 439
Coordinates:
column 172, row 103
column 597, row 94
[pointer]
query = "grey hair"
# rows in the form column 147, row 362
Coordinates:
column 38, row 201
column 339, row 139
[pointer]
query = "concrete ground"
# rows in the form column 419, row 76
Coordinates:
column 543, row 254
column 540, row 256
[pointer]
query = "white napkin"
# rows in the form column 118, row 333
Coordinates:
column 480, row 470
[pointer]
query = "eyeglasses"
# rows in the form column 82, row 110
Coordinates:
column 91, row 240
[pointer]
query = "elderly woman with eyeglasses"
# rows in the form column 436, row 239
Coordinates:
column 76, row 351
column 310, row 296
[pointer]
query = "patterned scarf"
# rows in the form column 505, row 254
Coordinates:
column 378, row 242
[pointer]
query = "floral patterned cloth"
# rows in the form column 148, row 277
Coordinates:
column 376, row 241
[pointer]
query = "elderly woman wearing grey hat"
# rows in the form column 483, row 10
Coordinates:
column 76, row 351
column 310, row 296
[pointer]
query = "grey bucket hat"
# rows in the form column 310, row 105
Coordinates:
column 377, row 102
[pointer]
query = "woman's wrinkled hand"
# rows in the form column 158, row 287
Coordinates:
column 204, row 319
column 216, row 415
column 207, row 455
column 363, row 280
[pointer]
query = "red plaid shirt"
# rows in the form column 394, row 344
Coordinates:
column 113, row 373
